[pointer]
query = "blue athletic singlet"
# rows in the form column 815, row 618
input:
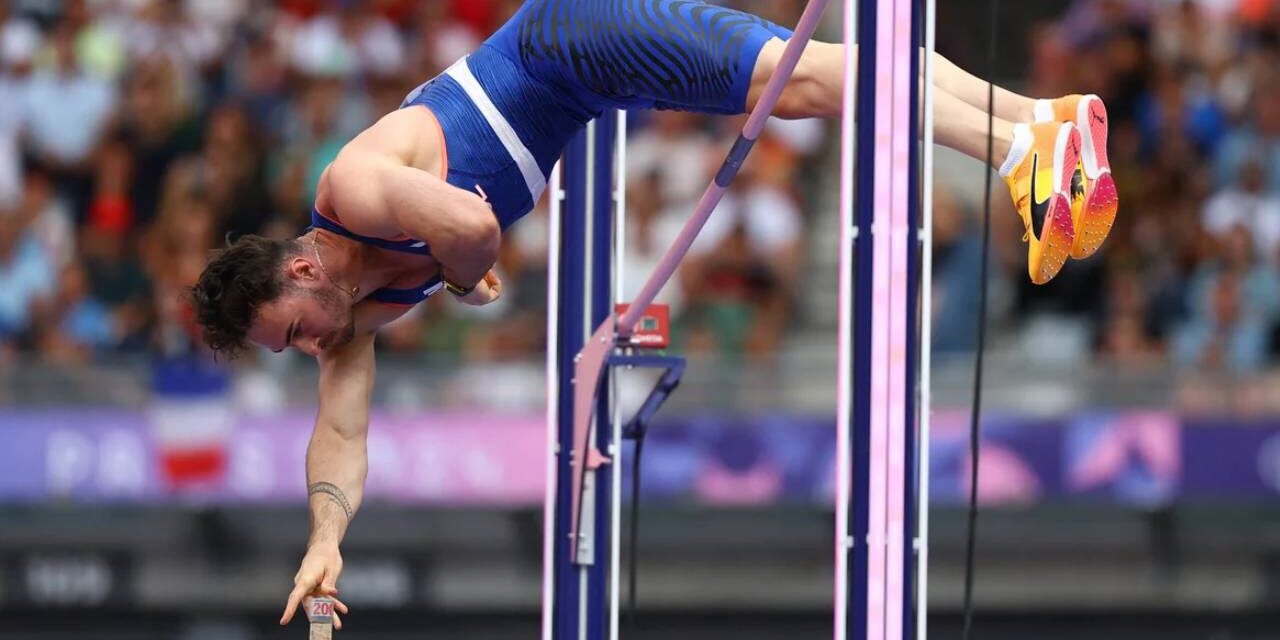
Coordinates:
column 509, row 108
column 388, row 295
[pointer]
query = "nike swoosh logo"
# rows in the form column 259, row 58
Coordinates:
column 1039, row 210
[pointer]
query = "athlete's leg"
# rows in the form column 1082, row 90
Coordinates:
column 963, row 127
column 949, row 78
column 1037, row 161
column 815, row 91
column 819, row 76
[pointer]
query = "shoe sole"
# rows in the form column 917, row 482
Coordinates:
column 1101, row 200
column 1058, row 233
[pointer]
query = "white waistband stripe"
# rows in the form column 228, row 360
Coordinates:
column 533, row 177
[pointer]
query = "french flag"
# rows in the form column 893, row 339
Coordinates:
column 191, row 419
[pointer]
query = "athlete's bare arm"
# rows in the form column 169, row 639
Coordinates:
column 377, row 187
column 337, row 459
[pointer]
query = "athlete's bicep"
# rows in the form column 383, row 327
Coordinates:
column 378, row 196
column 360, row 189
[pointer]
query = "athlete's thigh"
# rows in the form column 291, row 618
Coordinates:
column 682, row 54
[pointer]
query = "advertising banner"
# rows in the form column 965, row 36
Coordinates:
column 1140, row 459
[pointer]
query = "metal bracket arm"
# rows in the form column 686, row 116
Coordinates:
column 673, row 371
column 587, row 369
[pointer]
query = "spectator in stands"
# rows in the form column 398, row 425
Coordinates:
column 348, row 37
column 676, row 148
column 231, row 172
column 27, row 274
column 19, row 40
column 99, row 41
column 1245, row 204
column 72, row 324
column 1175, row 104
column 257, row 77
column 67, row 111
column 772, row 224
column 320, row 121
column 439, row 39
column 48, row 215
column 1126, row 339
column 651, row 228
column 166, row 29
column 1257, row 138
column 173, row 253
column 116, row 279
column 156, row 122
column 1187, row 34
column 1234, row 303
column 111, row 206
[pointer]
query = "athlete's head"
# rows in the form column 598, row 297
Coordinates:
column 273, row 293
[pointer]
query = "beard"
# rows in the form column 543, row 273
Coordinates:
column 337, row 305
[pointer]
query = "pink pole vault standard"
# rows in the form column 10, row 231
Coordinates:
column 889, row 322
column 876, row 392
column 900, row 325
column 590, row 361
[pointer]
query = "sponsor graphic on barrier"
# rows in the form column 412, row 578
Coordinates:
column 492, row 459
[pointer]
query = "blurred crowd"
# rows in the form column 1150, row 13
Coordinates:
column 138, row 135
column 1190, row 276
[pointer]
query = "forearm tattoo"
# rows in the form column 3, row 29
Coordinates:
column 335, row 494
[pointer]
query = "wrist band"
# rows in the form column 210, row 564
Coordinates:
column 459, row 290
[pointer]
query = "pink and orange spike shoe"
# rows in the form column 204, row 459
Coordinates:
column 1094, row 200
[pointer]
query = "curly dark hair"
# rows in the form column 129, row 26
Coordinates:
column 237, row 281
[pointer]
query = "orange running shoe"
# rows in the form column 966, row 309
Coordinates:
column 1095, row 199
column 1040, row 184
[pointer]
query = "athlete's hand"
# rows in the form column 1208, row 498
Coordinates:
column 486, row 291
column 318, row 576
